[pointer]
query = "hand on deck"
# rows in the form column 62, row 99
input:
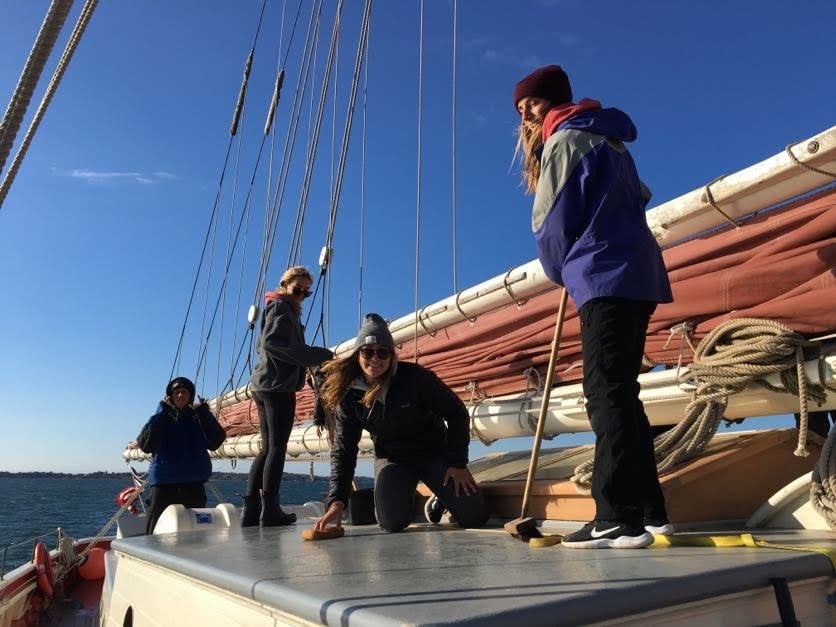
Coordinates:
column 463, row 481
column 333, row 515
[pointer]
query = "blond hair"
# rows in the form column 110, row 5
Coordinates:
column 529, row 143
column 291, row 274
column 341, row 373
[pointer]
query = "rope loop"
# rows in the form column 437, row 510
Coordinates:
column 812, row 147
column 477, row 396
column 430, row 332
column 735, row 355
column 471, row 320
column 709, row 198
column 518, row 302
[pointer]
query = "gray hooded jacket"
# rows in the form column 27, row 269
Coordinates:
column 282, row 352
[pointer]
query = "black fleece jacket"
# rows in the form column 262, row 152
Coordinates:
column 419, row 418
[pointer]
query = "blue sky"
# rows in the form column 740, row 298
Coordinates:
column 100, row 235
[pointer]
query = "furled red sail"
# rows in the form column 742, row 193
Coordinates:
column 778, row 266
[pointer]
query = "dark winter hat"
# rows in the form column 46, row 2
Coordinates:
column 374, row 331
column 549, row 82
column 180, row 382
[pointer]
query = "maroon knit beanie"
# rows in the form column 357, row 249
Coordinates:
column 549, row 82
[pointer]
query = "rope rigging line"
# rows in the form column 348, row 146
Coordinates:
column 336, row 189
column 238, row 121
column 271, row 220
column 418, row 186
column 270, row 128
column 363, row 184
column 453, row 142
column 296, row 242
column 349, row 121
column 52, row 87
column 208, row 289
column 232, row 131
column 247, row 201
column 229, row 255
column 736, row 354
column 45, row 40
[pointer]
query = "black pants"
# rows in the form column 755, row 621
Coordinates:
column 275, row 413
column 625, row 484
column 394, row 494
column 186, row 494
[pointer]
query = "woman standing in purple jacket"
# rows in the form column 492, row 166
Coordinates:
column 592, row 237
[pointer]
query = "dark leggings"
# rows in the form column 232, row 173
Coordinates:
column 394, row 494
column 275, row 413
column 186, row 494
column 625, row 484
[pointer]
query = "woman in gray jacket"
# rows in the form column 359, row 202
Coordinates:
column 283, row 357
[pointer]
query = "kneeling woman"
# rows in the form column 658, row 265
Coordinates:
column 404, row 407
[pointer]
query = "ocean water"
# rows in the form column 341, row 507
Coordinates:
column 31, row 507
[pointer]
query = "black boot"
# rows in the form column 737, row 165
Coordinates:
column 251, row 513
column 272, row 515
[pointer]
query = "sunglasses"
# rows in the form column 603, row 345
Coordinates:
column 298, row 291
column 381, row 353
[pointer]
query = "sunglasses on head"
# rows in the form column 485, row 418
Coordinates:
column 300, row 291
column 382, row 353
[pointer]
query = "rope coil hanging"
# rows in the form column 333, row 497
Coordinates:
column 823, row 487
column 733, row 356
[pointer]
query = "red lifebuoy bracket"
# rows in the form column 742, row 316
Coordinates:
column 126, row 495
column 43, row 570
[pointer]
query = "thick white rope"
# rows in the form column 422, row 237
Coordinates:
column 63, row 63
column 51, row 27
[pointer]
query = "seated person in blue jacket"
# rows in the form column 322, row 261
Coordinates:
column 420, row 430
column 177, row 435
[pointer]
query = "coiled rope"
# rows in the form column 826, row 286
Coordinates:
column 736, row 354
column 823, row 488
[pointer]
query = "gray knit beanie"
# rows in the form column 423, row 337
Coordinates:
column 374, row 331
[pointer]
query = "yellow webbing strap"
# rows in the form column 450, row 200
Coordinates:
column 739, row 540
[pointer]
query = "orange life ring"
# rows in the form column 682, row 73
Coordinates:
column 128, row 495
column 43, row 570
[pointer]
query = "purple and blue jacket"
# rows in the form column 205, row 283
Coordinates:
column 588, row 217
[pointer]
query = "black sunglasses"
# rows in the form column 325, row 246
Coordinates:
column 382, row 353
column 298, row 291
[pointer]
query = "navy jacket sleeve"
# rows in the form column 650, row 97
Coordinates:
column 347, row 432
column 213, row 432
column 438, row 397
column 149, row 438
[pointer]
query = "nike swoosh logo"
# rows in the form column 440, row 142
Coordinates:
column 597, row 534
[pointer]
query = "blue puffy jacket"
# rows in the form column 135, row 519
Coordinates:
column 588, row 217
column 178, row 441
